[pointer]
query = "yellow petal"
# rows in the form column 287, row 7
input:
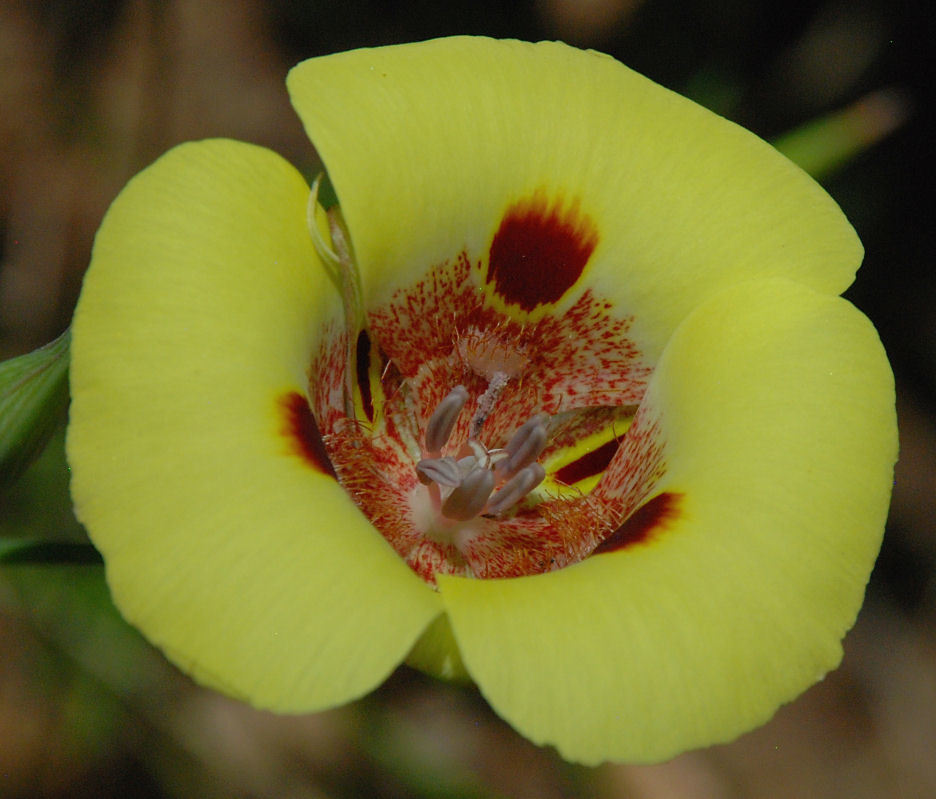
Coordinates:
column 434, row 147
column 775, row 407
column 226, row 540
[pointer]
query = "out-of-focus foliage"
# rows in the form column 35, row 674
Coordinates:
column 33, row 395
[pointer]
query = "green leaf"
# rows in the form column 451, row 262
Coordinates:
column 824, row 145
column 33, row 398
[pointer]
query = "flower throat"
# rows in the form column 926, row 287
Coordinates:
column 479, row 443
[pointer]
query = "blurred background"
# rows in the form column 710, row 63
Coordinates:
column 93, row 91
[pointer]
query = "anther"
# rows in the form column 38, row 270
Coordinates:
column 443, row 471
column 442, row 422
column 469, row 498
column 516, row 488
column 525, row 446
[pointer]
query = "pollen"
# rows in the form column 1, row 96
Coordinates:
column 488, row 353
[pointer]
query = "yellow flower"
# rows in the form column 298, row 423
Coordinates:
column 298, row 470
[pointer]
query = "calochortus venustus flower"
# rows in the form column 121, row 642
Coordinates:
column 561, row 398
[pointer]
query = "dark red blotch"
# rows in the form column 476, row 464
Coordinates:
column 300, row 427
column 539, row 251
column 362, row 363
column 649, row 518
column 591, row 463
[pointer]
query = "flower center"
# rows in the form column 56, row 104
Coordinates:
column 480, row 441
column 494, row 477
column 476, row 480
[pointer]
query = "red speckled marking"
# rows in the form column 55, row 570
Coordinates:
column 539, row 251
column 635, row 468
column 591, row 463
column 301, row 429
column 645, row 522
column 327, row 375
column 580, row 358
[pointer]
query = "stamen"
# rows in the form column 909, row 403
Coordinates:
column 442, row 422
column 469, row 499
column 443, row 471
column 515, row 489
column 467, row 464
column 460, row 487
column 525, row 446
